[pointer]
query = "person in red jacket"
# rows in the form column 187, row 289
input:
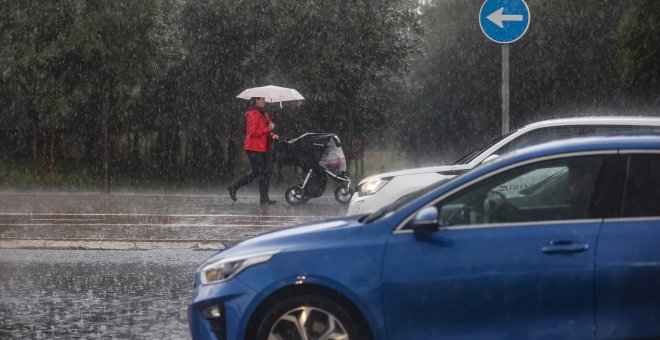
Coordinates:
column 258, row 139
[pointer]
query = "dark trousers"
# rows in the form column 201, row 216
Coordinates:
column 262, row 167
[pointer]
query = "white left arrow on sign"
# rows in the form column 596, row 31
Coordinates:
column 498, row 17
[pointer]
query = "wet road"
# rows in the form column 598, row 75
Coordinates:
column 57, row 283
column 88, row 294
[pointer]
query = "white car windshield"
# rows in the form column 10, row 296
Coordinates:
column 402, row 201
column 467, row 158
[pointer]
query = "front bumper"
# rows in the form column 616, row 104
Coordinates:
column 355, row 205
column 368, row 204
column 232, row 298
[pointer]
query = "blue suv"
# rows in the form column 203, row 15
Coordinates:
column 553, row 241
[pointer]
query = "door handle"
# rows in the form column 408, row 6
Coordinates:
column 564, row 247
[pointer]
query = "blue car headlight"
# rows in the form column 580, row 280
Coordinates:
column 224, row 269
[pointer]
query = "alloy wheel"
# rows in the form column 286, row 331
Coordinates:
column 308, row 323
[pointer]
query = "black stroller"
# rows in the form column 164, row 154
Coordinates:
column 318, row 154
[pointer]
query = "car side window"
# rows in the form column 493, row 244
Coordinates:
column 563, row 132
column 642, row 193
column 539, row 136
column 557, row 189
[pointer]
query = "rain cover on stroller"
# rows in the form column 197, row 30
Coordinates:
column 320, row 156
column 333, row 157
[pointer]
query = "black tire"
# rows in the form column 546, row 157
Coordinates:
column 342, row 195
column 294, row 195
column 280, row 319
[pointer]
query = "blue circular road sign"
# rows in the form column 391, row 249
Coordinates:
column 504, row 21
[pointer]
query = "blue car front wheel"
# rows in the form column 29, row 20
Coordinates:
column 310, row 317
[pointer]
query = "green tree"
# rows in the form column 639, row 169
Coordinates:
column 219, row 37
column 454, row 90
column 638, row 38
column 348, row 58
column 33, row 69
column 83, row 62
column 114, row 49
column 566, row 63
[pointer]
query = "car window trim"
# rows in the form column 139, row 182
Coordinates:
column 511, row 224
column 639, row 151
column 632, row 219
column 400, row 227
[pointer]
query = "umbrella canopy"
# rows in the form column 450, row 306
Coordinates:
column 272, row 94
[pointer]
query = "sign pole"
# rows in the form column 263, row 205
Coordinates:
column 504, row 21
column 505, row 88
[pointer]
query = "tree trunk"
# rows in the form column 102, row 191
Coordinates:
column 51, row 158
column 136, row 160
column 34, row 152
column 105, row 185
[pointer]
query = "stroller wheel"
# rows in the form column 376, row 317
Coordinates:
column 343, row 195
column 294, row 195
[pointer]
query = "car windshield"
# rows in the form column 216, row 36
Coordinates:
column 467, row 158
column 404, row 200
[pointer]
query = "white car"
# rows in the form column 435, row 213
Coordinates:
column 377, row 191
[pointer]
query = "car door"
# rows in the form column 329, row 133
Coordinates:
column 628, row 258
column 495, row 270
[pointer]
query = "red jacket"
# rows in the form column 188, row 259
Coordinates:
column 257, row 135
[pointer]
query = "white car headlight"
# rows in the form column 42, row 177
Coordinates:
column 224, row 269
column 371, row 187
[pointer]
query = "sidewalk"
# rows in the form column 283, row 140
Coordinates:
column 146, row 220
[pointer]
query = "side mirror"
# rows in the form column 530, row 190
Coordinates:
column 425, row 221
column 490, row 158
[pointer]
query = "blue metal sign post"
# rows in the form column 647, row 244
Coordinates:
column 504, row 21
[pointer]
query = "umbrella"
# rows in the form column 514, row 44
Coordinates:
column 272, row 94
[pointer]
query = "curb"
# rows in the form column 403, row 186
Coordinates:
column 109, row 245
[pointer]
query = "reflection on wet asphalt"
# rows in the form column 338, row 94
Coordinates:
column 96, row 294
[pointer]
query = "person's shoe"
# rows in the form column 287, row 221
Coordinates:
column 232, row 192
column 268, row 202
